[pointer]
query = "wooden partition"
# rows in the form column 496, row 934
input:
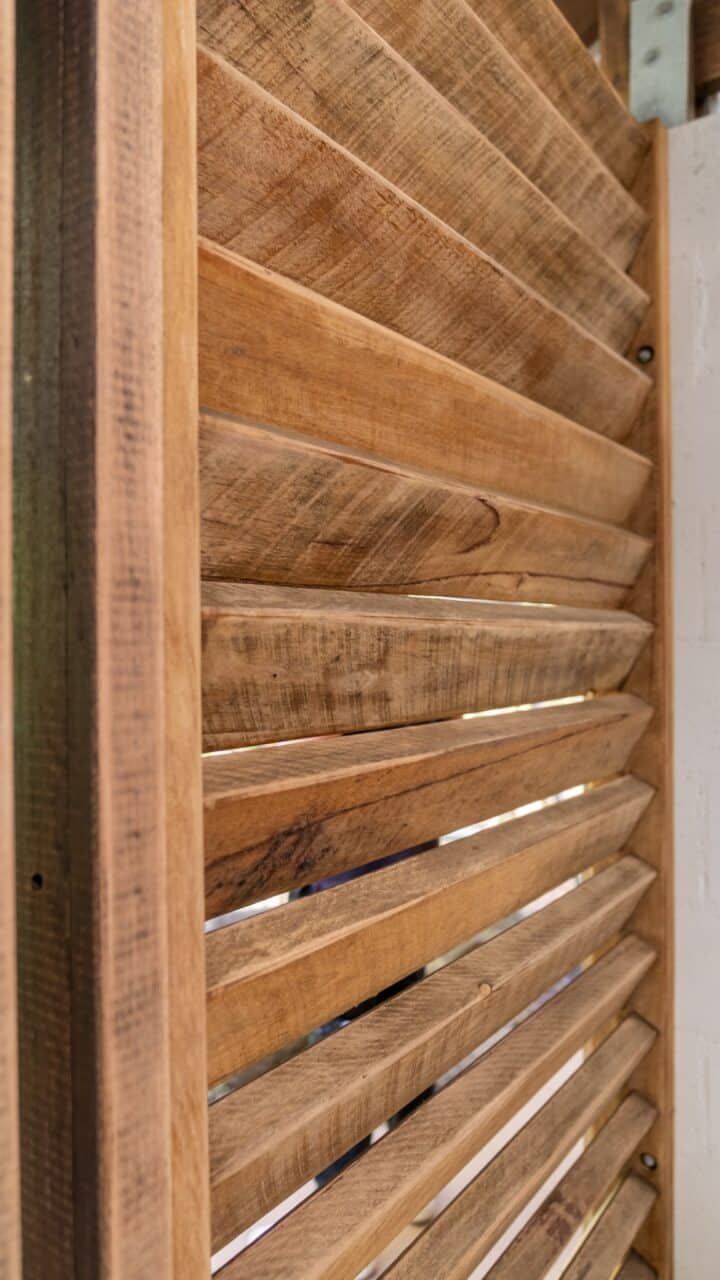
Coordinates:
column 344, row 686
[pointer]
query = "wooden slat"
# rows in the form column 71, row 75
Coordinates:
column 461, row 1236
column 277, row 353
column 460, row 56
column 276, row 819
column 315, row 958
column 181, row 582
column 636, row 1269
column 578, row 1196
column 608, row 1243
column 337, row 1231
column 282, row 510
column 276, row 1133
column 318, row 215
column 653, row 680
column 283, row 662
column 336, row 72
column 9, row 1137
column 269, row 1137
column 535, row 34
column 706, row 43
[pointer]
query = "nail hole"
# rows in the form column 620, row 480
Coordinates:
column 37, row 881
column 648, row 1160
column 645, row 354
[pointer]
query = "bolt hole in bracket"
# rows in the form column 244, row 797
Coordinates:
column 661, row 83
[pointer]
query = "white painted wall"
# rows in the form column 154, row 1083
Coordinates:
column 695, row 301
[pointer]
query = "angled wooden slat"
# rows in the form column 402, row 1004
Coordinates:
column 282, row 510
column 335, row 71
column 636, row 1268
column 290, row 662
column 345, row 1225
column 578, row 1196
column 269, row 1137
column 9, row 1134
column 277, row 353
column 320, row 216
column 461, row 1236
column 317, row 957
column 537, row 37
column 458, row 53
column 279, row 818
column 610, row 1240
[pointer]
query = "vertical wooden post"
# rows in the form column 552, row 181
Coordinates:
column 107, row 768
column 652, row 680
column 183, row 739
column 9, row 1160
column 614, row 35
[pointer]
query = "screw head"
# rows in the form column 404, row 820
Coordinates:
column 665, row 6
column 645, row 354
column 648, row 1160
column 650, row 56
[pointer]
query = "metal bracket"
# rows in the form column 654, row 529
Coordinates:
column 661, row 79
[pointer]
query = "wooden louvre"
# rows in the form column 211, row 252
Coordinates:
column 356, row 666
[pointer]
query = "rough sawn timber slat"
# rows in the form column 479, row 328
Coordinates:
column 457, row 1240
column 335, row 71
column 336, row 1232
column 270, row 1136
column 319, row 215
column 288, row 662
column 275, row 820
column 284, row 510
column 311, row 965
column 276, row 353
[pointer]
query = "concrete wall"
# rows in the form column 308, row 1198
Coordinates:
column 695, row 294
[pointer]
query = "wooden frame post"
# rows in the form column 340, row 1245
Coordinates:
column 9, row 1167
column 110, row 920
column 652, row 680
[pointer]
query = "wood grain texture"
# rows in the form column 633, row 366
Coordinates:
column 9, row 1122
column 269, row 1137
column 706, row 44
column 578, row 1196
column 279, row 818
column 456, row 1241
column 282, row 510
column 321, row 59
column 181, row 584
column 636, row 1269
column 336, row 1232
column 282, row 662
column 91, row 803
column 276, row 353
column 536, row 35
column 582, row 16
column 320, row 216
column 39, row 654
column 653, row 679
column 610, row 1240
column 317, row 957
column 451, row 45
column 614, row 25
